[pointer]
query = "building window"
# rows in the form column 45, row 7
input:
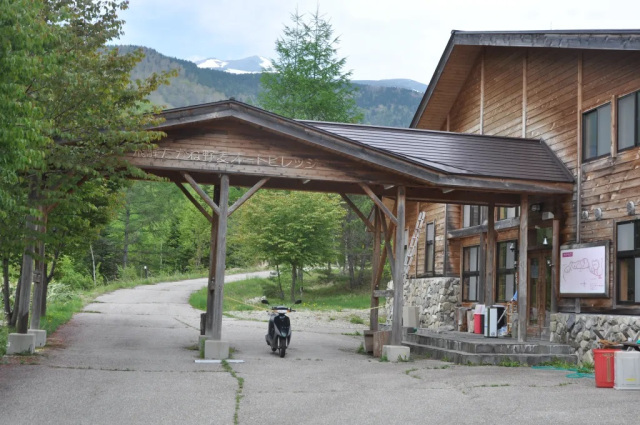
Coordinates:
column 628, row 116
column 596, row 132
column 430, row 249
column 508, row 212
column 628, row 257
column 470, row 273
column 506, row 270
column 473, row 215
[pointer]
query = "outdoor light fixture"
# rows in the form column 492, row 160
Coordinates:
column 512, row 247
column 549, row 263
column 631, row 208
column 447, row 190
column 545, row 241
column 598, row 213
column 305, row 181
column 387, row 186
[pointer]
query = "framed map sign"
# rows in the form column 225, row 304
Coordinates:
column 584, row 270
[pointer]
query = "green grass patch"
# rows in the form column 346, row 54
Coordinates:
column 235, row 296
column 564, row 365
column 356, row 320
column 316, row 296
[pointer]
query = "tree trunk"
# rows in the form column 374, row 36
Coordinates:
column 352, row 274
column 363, row 262
column 293, row 283
column 93, row 264
column 48, row 275
column 22, row 309
column 39, row 291
column 5, row 288
column 14, row 317
column 127, row 220
column 280, row 282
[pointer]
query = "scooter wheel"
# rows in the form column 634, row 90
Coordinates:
column 283, row 346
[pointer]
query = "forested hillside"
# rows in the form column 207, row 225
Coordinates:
column 384, row 106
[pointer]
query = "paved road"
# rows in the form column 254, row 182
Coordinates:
column 129, row 359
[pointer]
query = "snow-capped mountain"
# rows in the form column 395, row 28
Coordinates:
column 250, row 65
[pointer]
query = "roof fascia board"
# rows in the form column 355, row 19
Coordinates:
column 558, row 40
column 434, row 81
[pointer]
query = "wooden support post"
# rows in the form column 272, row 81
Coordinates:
column 398, row 276
column 195, row 203
column 208, row 328
column 387, row 243
column 359, row 213
column 221, row 257
column 523, row 265
column 201, row 192
column 555, row 264
column 247, row 195
column 379, row 203
column 375, row 277
column 489, row 297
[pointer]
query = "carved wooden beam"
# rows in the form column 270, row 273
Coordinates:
column 244, row 198
column 359, row 213
column 202, row 193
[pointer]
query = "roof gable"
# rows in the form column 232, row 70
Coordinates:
column 464, row 47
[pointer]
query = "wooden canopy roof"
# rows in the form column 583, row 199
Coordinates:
column 250, row 144
column 464, row 47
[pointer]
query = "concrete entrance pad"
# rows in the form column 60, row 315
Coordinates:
column 216, row 350
column 395, row 353
column 41, row 336
column 21, row 344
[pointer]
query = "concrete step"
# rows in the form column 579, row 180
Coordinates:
column 466, row 358
column 466, row 348
column 485, row 346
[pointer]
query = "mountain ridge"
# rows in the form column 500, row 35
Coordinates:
column 384, row 106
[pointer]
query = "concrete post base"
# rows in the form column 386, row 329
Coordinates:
column 396, row 353
column 216, row 350
column 21, row 344
column 41, row 336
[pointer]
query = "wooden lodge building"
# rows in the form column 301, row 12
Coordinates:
column 577, row 93
column 524, row 155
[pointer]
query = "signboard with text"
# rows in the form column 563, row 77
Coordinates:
column 584, row 270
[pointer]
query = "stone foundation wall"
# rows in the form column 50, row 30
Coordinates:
column 437, row 298
column 577, row 330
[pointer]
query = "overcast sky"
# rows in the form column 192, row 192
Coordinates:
column 380, row 38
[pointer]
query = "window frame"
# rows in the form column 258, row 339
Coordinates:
column 596, row 110
column 636, row 121
column 627, row 254
column 430, row 243
column 502, row 211
column 482, row 215
column 467, row 274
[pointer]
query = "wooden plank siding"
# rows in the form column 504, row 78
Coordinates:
column 553, row 111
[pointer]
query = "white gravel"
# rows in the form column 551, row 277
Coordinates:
column 334, row 321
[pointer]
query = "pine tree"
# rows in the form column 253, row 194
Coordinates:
column 309, row 82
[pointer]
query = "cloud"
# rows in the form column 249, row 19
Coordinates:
column 380, row 39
